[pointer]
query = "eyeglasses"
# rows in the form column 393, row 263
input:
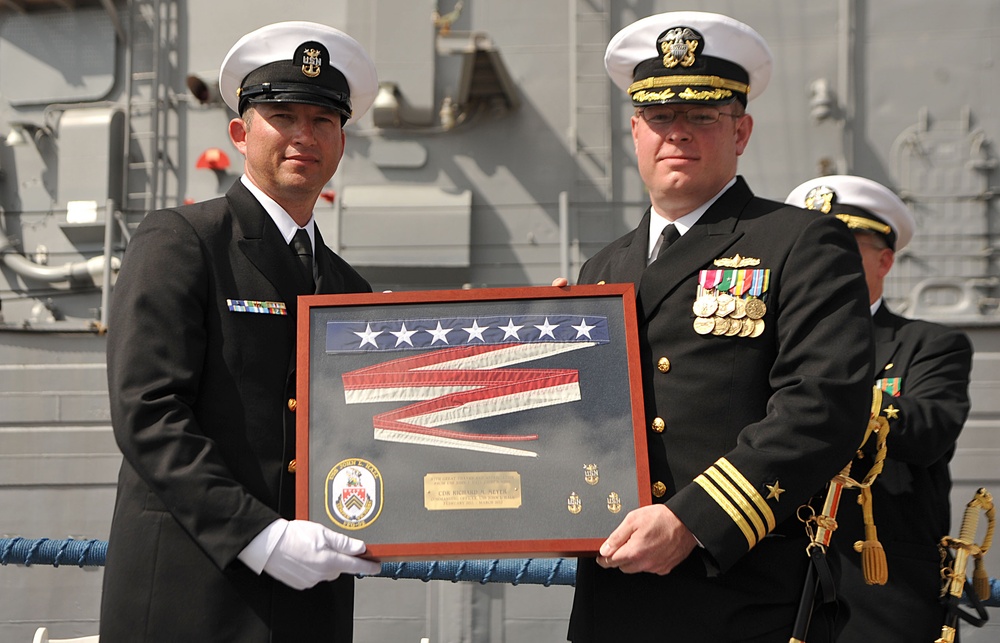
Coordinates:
column 658, row 115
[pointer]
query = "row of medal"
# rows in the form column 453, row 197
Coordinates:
column 720, row 313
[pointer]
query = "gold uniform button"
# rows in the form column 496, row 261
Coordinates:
column 292, row 403
column 292, row 466
column 663, row 365
column 659, row 425
column 659, row 489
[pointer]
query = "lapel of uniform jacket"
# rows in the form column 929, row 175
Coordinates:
column 263, row 245
column 329, row 281
column 629, row 261
column 886, row 343
column 706, row 240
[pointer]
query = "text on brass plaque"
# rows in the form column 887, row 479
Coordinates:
column 472, row 490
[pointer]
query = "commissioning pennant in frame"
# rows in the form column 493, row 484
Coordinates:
column 462, row 369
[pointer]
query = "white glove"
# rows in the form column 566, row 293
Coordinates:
column 308, row 553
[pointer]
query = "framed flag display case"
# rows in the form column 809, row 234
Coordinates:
column 502, row 422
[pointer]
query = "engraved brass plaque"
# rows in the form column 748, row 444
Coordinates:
column 472, row 490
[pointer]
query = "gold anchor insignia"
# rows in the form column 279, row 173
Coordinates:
column 736, row 262
column 574, row 504
column 311, row 62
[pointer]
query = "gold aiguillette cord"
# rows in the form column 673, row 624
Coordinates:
column 820, row 527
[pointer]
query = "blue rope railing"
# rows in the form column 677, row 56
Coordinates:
column 520, row 571
column 517, row 571
column 526, row 571
column 42, row 551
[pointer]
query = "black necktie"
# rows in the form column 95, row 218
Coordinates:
column 667, row 237
column 303, row 248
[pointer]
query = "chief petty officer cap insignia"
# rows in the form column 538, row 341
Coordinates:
column 689, row 57
column 863, row 204
column 299, row 62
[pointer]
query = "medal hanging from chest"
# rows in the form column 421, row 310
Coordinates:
column 731, row 301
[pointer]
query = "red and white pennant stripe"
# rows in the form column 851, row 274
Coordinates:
column 462, row 384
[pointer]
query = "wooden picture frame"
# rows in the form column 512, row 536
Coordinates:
column 504, row 422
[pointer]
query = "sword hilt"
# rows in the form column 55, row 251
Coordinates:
column 955, row 576
column 965, row 545
column 947, row 635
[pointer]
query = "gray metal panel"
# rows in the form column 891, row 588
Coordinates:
column 397, row 225
column 97, row 134
column 403, row 51
column 58, row 455
column 68, row 55
column 535, row 614
column 391, row 610
column 53, row 393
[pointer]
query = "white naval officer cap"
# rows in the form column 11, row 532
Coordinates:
column 299, row 62
column 863, row 204
column 689, row 57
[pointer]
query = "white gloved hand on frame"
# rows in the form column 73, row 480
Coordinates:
column 308, row 553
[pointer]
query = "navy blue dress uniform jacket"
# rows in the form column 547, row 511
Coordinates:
column 753, row 427
column 199, row 405
column 924, row 369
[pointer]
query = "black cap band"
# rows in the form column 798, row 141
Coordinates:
column 306, row 77
column 681, row 73
column 284, row 92
column 716, row 82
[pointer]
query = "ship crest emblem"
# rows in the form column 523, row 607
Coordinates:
column 354, row 494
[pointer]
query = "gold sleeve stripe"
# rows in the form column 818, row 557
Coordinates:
column 728, row 507
column 748, row 490
column 734, row 494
